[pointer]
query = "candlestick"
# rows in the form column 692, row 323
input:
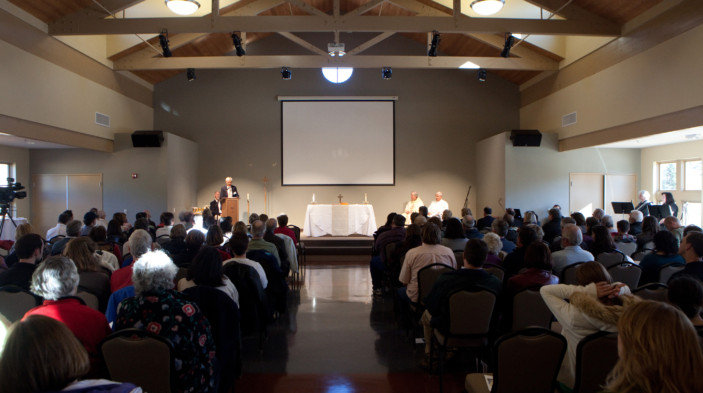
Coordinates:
column 247, row 196
column 313, row 197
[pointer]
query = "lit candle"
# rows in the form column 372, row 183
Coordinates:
column 313, row 197
column 247, row 196
column 365, row 199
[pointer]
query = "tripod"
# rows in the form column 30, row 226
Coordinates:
column 5, row 212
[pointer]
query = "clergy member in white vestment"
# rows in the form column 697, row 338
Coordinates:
column 438, row 206
column 413, row 206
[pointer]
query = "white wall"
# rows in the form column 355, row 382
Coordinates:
column 490, row 165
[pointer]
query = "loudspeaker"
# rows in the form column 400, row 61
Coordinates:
column 147, row 138
column 526, row 137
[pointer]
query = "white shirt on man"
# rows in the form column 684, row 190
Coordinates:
column 58, row 230
column 412, row 207
column 436, row 208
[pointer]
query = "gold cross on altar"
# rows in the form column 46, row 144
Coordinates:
column 340, row 198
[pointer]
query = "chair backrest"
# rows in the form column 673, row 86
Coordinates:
column 495, row 270
column 568, row 275
column 653, row 291
column 609, row 259
column 626, row 272
column 639, row 255
column 596, row 356
column 627, row 248
column 470, row 313
column 426, row 278
column 390, row 249
column 140, row 357
column 528, row 361
column 529, row 309
column 459, row 256
column 296, row 230
column 666, row 271
column 89, row 299
column 15, row 302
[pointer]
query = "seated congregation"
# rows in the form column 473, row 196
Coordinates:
column 109, row 285
column 496, row 283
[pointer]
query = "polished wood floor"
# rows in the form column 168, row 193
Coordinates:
column 337, row 338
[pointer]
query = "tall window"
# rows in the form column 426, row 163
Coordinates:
column 4, row 173
column 692, row 175
column 667, row 176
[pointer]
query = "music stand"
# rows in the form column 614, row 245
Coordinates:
column 659, row 211
column 622, row 207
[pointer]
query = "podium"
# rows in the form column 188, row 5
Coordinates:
column 230, row 208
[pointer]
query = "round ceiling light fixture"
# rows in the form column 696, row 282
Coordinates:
column 487, row 7
column 183, row 7
column 337, row 74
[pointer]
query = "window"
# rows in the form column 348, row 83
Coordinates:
column 691, row 213
column 667, row 176
column 4, row 173
column 692, row 175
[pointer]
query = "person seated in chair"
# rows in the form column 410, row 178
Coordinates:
column 471, row 277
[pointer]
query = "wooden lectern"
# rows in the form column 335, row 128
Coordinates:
column 230, row 208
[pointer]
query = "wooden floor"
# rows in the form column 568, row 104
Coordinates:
column 336, row 338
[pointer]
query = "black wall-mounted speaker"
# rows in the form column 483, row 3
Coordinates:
column 147, row 138
column 526, row 137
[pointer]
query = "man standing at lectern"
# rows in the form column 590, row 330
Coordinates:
column 413, row 206
column 216, row 206
column 228, row 190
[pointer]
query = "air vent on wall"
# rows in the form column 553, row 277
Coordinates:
column 101, row 119
column 569, row 119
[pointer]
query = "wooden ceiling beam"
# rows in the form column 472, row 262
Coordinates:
column 95, row 11
column 179, row 40
column 366, row 45
column 364, row 8
column 311, row 47
column 496, row 41
column 570, row 11
column 267, row 24
column 312, row 61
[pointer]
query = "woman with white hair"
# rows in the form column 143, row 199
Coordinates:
column 158, row 308
column 56, row 280
column 643, row 206
column 495, row 245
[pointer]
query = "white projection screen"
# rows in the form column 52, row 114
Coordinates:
column 340, row 142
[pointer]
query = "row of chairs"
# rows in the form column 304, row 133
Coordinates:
column 529, row 360
column 15, row 301
column 625, row 272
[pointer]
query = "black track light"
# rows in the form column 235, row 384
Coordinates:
column 509, row 40
column 482, row 74
column 286, row 74
column 387, row 73
column 434, row 44
column 163, row 41
column 190, row 74
column 238, row 45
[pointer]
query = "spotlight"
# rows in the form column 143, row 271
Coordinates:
column 190, row 74
column 433, row 46
column 238, row 45
column 336, row 48
column 509, row 40
column 386, row 73
column 482, row 74
column 286, row 74
column 163, row 41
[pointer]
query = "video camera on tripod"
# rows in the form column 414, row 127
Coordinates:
column 8, row 194
column 11, row 192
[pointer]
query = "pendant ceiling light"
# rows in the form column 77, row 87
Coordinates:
column 183, row 7
column 487, row 7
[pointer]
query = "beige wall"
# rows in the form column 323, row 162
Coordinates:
column 490, row 165
column 37, row 90
column 661, row 80
column 234, row 117
column 19, row 157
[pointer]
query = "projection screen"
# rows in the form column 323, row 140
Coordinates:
column 338, row 142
